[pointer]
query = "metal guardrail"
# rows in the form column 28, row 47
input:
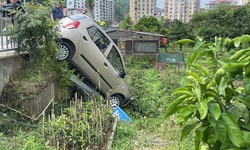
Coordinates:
column 6, row 43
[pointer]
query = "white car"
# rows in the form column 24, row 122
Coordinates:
column 96, row 56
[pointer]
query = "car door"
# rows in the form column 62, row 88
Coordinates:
column 111, row 68
column 91, row 48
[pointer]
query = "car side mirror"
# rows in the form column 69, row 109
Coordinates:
column 122, row 74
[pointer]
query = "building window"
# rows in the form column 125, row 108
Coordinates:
column 176, row 12
column 145, row 47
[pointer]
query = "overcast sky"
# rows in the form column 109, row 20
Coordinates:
column 160, row 3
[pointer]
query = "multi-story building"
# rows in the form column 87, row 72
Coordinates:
column 212, row 4
column 111, row 8
column 244, row 2
column 180, row 9
column 139, row 8
column 101, row 10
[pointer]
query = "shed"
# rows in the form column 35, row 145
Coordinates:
column 135, row 42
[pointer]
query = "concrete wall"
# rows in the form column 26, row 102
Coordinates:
column 8, row 67
column 36, row 106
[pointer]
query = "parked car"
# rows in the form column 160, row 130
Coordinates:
column 96, row 56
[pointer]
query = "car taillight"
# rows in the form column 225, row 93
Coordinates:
column 72, row 25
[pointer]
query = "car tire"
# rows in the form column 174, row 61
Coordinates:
column 65, row 51
column 115, row 100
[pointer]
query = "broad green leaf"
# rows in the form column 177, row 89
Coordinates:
column 243, row 100
column 171, row 107
column 211, row 62
column 197, row 143
column 196, row 76
column 182, row 93
column 243, row 110
column 201, row 69
column 239, row 54
column 246, row 85
column 185, row 114
column 244, row 125
column 229, row 93
column 198, row 45
column 221, row 130
column 233, row 129
column 223, row 85
column 187, row 129
column 234, row 112
column 195, row 57
column 237, row 42
column 214, row 109
column 212, row 136
column 177, row 108
column 199, row 131
column 211, row 120
column 231, row 66
column 247, row 70
column 202, row 108
column 219, row 74
column 245, row 139
column 197, row 93
column 183, row 41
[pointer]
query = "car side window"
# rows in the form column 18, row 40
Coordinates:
column 100, row 40
column 115, row 59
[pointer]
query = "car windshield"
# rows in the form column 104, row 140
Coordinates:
column 100, row 40
column 115, row 59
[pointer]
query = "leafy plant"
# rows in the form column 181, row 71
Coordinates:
column 210, row 102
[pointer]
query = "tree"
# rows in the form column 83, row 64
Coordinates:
column 126, row 24
column 150, row 24
column 179, row 30
column 91, row 5
column 121, row 8
column 224, row 21
column 211, row 102
column 35, row 31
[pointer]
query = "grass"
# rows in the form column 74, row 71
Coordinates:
column 153, row 88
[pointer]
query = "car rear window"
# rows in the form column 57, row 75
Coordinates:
column 77, row 17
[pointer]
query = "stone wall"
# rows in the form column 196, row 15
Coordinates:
column 8, row 67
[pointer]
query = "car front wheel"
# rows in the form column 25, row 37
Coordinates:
column 115, row 100
column 65, row 51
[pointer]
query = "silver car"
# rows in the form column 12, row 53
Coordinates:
column 96, row 56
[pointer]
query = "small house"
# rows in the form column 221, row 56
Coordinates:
column 135, row 42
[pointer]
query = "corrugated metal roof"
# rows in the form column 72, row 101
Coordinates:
column 139, row 32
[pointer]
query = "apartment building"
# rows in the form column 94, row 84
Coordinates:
column 111, row 8
column 103, row 10
column 180, row 9
column 139, row 8
column 212, row 4
column 243, row 2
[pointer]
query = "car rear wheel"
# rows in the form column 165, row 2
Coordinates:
column 65, row 51
column 115, row 100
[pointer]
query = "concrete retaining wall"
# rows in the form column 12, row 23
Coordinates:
column 8, row 67
column 36, row 106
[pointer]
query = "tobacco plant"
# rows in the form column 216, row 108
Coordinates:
column 211, row 104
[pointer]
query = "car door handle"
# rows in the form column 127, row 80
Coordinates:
column 106, row 65
column 84, row 37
